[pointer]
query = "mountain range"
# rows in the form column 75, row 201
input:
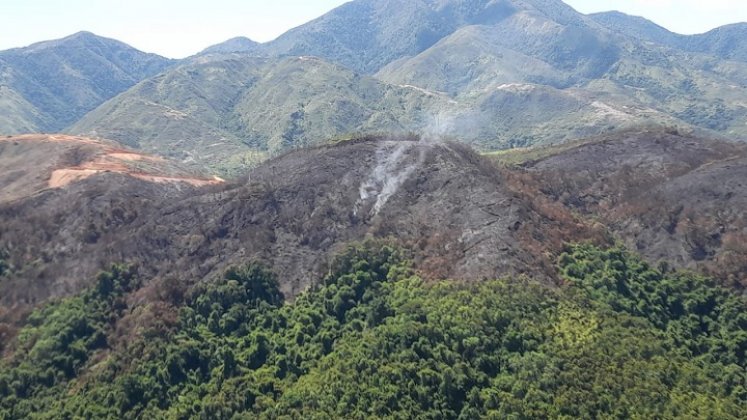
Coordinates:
column 724, row 42
column 403, row 209
column 494, row 74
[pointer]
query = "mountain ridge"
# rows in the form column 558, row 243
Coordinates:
column 435, row 20
column 462, row 216
column 723, row 41
column 234, row 45
column 501, row 74
column 525, row 73
column 54, row 83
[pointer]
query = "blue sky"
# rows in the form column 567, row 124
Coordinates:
column 178, row 28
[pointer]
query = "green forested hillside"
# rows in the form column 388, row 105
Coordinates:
column 366, row 35
column 49, row 85
column 619, row 339
column 222, row 111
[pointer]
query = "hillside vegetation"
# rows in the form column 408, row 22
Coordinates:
column 620, row 339
column 214, row 109
column 293, row 212
column 493, row 74
column 496, row 75
column 50, row 85
column 427, row 209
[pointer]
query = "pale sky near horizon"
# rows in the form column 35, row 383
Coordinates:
column 179, row 28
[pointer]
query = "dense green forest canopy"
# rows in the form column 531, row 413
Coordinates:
column 620, row 339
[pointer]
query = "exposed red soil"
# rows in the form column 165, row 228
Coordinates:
column 61, row 160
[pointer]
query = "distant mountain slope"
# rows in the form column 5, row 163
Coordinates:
column 637, row 27
column 228, row 111
column 181, row 113
column 615, row 60
column 19, row 115
column 214, row 110
column 524, row 48
column 366, row 35
column 495, row 74
column 727, row 42
column 50, row 85
column 233, row 45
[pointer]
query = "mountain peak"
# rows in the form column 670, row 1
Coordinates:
column 78, row 38
column 366, row 35
column 240, row 44
column 636, row 27
column 82, row 35
column 61, row 80
column 615, row 17
column 739, row 27
column 724, row 42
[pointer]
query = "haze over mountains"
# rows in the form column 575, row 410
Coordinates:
column 494, row 74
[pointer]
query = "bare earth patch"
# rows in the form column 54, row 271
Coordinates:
column 63, row 177
column 59, row 160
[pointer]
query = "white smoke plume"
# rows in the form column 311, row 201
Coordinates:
column 390, row 172
column 438, row 126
